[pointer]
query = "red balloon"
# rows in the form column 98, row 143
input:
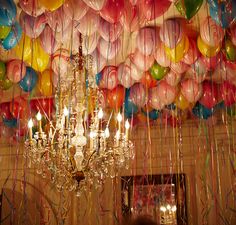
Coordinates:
column 44, row 105
column 5, row 110
column 228, row 93
column 19, row 108
column 112, row 10
column 192, row 55
column 209, row 94
column 147, row 80
column 115, row 97
column 211, row 62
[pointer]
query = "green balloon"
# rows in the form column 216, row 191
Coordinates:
column 158, row 72
column 188, row 8
column 231, row 111
column 230, row 50
column 2, row 70
column 5, row 84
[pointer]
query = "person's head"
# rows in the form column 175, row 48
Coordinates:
column 142, row 220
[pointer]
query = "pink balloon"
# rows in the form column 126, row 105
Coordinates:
column 171, row 32
column 112, row 10
column 31, row 7
column 147, row 40
column 138, row 95
column 154, row 99
column 102, row 98
column 179, row 67
column 228, row 93
column 48, row 41
column 60, row 62
column 108, row 31
column 58, row 20
column 132, row 19
column 142, row 62
column 192, row 55
column 161, row 57
column 89, row 24
column 212, row 62
column 99, row 61
column 124, row 75
column 16, row 70
column 154, row 8
column 75, row 9
column 32, row 26
column 90, row 43
column 96, row 5
column 209, row 94
column 211, row 33
column 109, row 49
column 172, row 78
column 191, row 90
column 109, row 78
column 197, row 71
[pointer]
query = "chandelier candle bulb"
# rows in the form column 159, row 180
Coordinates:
column 39, row 118
column 119, row 119
column 30, row 125
column 66, row 114
column 127, row 126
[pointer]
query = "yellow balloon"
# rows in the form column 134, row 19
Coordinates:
column 4, row 31
column 181, row 102
column 206, row 50
column 45, row 83
column 51, row 4
column 24, row 48
column 176, row 54
column 39, row 58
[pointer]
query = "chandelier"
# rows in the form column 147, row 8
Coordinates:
column 78, row 152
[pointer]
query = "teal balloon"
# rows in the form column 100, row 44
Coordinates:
column 7, row 12
column 29, row 81
column 98, row 77
column 13, row 37
column 10, row 122
column 130, row 107
column 154, row 114
column 201, row 111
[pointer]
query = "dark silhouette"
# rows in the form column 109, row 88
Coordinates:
column 142, row 220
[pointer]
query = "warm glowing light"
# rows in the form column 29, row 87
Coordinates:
column 163, row 208
column 168, row 207
column 174, row 208
column 38, row 116
column 30, row 123
column 107, row 132
column 100, row 114
column 119, row 117
column 65, row 111
column 127, row 125
column 118, row 134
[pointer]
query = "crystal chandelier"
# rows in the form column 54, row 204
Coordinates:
column 76, row 153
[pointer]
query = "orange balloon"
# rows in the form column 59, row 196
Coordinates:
column 45, row 83
column 51, row 4
column 181, row 102
column 115, row 97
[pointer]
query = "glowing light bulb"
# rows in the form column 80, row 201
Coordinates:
column 127, row 125
column 92, row 134
column 118, row 135
column 38, row 116
column 174, row 208
column 65, row 111
column 100, row 114
column 168, row 207
column 163, row 208
column 107, row 132
column 30, row 123
column 119, row 117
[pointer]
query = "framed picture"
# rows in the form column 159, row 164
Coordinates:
column 163, row 197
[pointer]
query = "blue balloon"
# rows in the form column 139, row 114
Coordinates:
column 98, row 77
column 29, row 81
column 10, row 123
column 154, row 114
column 130, row 107
column 201, row 111
column 7, row 12
column 13, row 37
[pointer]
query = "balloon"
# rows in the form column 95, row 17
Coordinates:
column 99, row 61
column 197, row 71
column 154, row 8
column 207, row 50
column 172, row 78
column 153, row 115
column 48, row 41
column 19, row 108
column 142, row 62
column 31, row 7
column 39, row 59
column 161, row 56
column 32, row 26
column 147, row 80
column 5, row 110
column 201, row 112
column 58, row 20
column 45, row 82
column 138, row 95
column 191, row 90
column 23, row 49
column 115, row 97
column 212, row 62
column 89, row 43
column 44, row 105
column 147, row 40
column 16, row 70
column 179, row 67
column 12, row 123
column 171, row 32
column 176, row 54
column 29, row 81
column 181, row 102
column 108, row 49
column 127, row 71
column 4, row 31
column 230, row 50
column 228, row 93
column 7, row 12
column 13, row 37
column 112, row 10
column 192, row 54
column 5, row 84
column 154, row 99
column 2, row 70
column 51, row 5
column 96, row 5
column 108, row 31
column 158, row 72
column 188, row 8
column 130, row 107
column 75, row 9
column 109, row 78
column 209, row 94
column 211, row 33
column 232, row 34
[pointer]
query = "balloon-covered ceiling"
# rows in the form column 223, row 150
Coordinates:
column 151, row 58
